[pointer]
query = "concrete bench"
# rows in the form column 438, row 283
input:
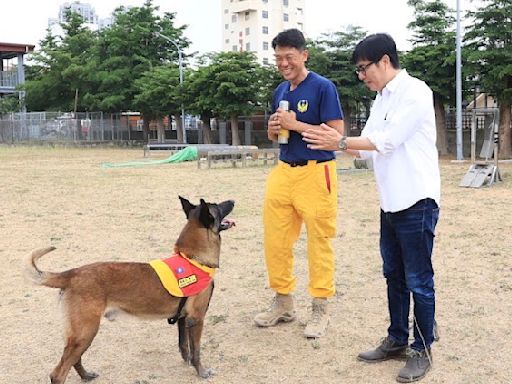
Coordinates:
column 239, row 156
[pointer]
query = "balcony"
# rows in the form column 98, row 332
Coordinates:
column 245, row 6
column 8, row 81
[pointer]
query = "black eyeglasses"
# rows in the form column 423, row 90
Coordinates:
column 362, row 68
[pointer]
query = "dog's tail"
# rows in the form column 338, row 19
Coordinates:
column 48, row 279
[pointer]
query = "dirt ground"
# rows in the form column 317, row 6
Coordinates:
column 62, row 197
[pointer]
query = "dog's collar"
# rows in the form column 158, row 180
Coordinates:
column 208, row 270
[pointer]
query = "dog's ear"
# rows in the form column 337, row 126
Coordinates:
column 205, row 217
column 186, row 205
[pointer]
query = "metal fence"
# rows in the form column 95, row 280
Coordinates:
column 81, row 127
column 100, row 127
column 70, row 127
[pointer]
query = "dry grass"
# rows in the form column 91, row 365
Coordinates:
column 62, row 197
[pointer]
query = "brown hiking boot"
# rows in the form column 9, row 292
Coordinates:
column 281, row 310
column 416, row 367
column 388, row 349
column 319, row 320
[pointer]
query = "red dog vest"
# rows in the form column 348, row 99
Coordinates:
column 181, row 276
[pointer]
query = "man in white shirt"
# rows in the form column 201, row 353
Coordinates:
column 400, row 138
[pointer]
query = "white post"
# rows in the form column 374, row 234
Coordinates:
column 180, row 64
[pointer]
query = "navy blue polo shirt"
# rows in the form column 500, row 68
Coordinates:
column 314, row 101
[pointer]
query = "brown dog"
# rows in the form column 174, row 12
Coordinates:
column 135, row 288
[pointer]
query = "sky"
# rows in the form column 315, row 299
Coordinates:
column 25, row 21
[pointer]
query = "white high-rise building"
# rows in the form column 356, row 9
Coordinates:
column 88, row 13
column 250, row 25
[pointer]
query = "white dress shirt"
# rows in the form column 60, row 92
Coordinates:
column 402, row 127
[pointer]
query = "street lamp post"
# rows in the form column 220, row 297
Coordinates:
column 180, row 64
column 458, row 87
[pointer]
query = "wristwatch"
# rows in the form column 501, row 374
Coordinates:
column 342, row 145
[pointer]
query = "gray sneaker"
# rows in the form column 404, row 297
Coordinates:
column 388, row 349
column 416, row 367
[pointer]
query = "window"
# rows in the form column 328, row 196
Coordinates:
column 285, row 3
column 264, row 30
column 285, row 17
column 265, row 45
column 226, row 26
column 226, row 11
column 247, row 15
column 248, row 46
column 233, row 18
column 265, row 60
column 300, row 11
column 265, row 1
column 234, row 48
column 247, row 31
column 226, row 41
column 300, row 26
column 264, row 14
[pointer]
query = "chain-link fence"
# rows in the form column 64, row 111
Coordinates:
column 69, row 127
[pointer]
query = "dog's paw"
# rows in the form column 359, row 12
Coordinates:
column 206, row 373
column 111, row 315
column 89, row 376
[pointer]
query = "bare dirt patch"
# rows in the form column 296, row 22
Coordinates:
column 62, row 197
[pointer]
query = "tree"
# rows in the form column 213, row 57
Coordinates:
column 331, row 56
column 432, row 58
column 270, row 78
column 9, row 104
column 235, row 87
column 62, row 66
column 128, row 49
column 158, row 94
column 489, row 43
column 199, row 86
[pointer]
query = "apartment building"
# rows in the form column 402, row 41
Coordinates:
column 250, row 25
column 86, row 10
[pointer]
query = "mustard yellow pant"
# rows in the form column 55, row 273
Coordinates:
column 295, row 195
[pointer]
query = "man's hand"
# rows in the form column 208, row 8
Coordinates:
column 287, row 119
column 323, row 137
column 273, row 127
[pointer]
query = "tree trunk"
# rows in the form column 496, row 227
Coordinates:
column 442, row 142
column 145, row 128
column 179, row 128
column 206, row 129
column 235, row 138
column 505, row 131
column 160, row 131
column 347, row 117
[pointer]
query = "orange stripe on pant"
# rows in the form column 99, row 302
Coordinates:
column 296, row 195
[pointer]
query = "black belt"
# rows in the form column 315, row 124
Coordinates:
column 304, row 162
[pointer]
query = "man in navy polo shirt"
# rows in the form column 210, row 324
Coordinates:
column 301, row 188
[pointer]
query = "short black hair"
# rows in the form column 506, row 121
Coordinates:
column 373, row 47
column 290, row 38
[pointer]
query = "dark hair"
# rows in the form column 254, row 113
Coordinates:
column 373, row 47
column 290, row 38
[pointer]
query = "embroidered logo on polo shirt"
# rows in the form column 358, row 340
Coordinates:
column 302, row 106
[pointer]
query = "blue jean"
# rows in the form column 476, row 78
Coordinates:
column 406, row 242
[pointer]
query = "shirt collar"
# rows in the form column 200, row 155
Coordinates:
column 392, row 85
